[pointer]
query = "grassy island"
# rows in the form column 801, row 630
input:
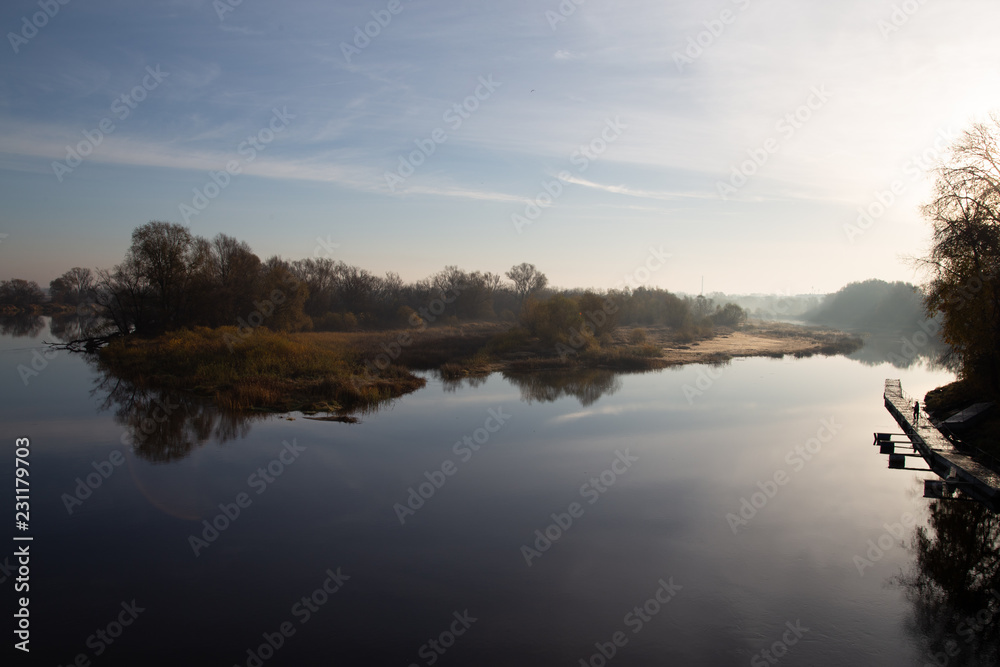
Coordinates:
column 342, row 372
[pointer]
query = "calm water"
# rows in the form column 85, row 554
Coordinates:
column 641, row 476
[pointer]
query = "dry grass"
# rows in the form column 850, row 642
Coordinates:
column 343, row 371
column 265, row 371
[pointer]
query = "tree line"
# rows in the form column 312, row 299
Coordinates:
column 871, row 305
column 171, row 279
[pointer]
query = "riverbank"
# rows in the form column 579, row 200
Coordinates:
column 948, row 400
column 266, row 371
column 485, row 348
column 342, row 372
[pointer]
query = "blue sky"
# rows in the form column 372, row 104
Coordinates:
column 610, row 117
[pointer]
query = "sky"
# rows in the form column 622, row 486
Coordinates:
column 735, row 142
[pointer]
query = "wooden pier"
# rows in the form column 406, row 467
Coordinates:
column 958, row 469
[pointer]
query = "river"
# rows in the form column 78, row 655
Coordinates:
column 699, row 515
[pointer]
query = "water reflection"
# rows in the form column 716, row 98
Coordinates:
column 955, row 584
column 163, row 426
column 903, row 350
column 587, row 385
column 452, row 385
column 22, row 325
column 75, row 326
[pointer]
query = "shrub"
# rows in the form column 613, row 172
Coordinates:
column 637, row 336
column 554, row 320
column 508, row 341
column 404, row 316
column 729, row 316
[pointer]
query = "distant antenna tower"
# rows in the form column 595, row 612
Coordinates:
column 703, row 286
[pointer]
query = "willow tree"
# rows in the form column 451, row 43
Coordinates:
column 964, row 259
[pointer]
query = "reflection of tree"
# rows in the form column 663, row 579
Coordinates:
column 900, row 351
column 75, row 327
column 165, row 426
column 586, row 384
column 955, row 584
column 22, row 325
column 471, row 381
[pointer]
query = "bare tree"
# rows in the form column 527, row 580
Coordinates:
column 73, row 287
column 965, row 256
column 527, row 279
column 122, row 294
column 21, row 293
column 162, row 253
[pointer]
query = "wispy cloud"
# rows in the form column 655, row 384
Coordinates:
column 633, row 192
column 687, row 129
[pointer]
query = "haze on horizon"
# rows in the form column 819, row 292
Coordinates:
column 490, row 105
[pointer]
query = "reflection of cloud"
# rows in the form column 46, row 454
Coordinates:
column 599, row 412
column 240, row 29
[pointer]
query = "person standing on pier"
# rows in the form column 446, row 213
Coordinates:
column 916, row 412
